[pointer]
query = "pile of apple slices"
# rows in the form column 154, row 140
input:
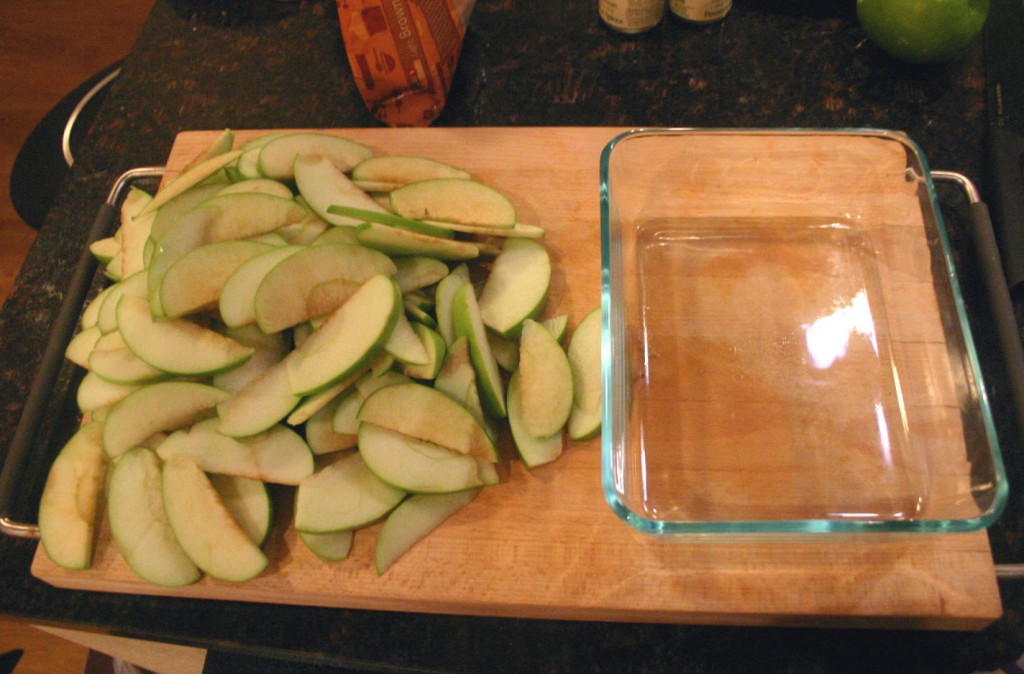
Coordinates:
column 300, row 312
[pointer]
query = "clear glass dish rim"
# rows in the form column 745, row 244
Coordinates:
column 796, row 526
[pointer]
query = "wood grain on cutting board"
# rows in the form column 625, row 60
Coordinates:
column 544, row 544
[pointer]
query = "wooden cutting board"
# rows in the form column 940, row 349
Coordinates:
column 543, row 543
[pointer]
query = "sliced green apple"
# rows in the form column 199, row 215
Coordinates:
column 122, row 366
column 176, row 345
column 336, row 235
column 322, row 184
column 404, row 169
column 320, row 434
column 505, row 350
column 532, row 450
column 105, row 249
column 81, row 345
column 454, row 200
column 135, row 231
column 257, row 406
column 163, row 406
column 330, row 547
column 517, row 287
column 457, row 379
column 467, row 323
column 139, row 525
column 195, row 281
column 411, row 521
column 405, row 345
column 249, row 503
column 444, row 293
column 268, row 350
column 395, row 241
column 418, row 271
column 294, row 290
column 427, row 414
column 277, row 157
column 415, row 465
column 69, row 503
column 248, row 214
column 237, row 302
column 584, row 353
column 211, row 537
column 189, row 178
column 262, row 185
column 433, row 344
column 167, row 216
column 546, row 390
column 343, row 495
column 94, row 392
column 349, row 340
column 134, row 286
column 352, row 215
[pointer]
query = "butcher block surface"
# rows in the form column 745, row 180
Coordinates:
column 543, row 543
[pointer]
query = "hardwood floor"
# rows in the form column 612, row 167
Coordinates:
column 47, row 48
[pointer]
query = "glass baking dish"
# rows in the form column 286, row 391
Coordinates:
column 785, row 347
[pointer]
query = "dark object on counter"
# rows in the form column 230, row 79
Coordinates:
column 1004, row 53
column 41, row 166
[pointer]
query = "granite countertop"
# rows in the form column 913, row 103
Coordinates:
column 265, row 64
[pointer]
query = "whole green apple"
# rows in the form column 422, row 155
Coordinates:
column 922, row 31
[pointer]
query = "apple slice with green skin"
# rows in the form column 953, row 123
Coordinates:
column 320, row 434
column 405, row 345
column 195, row 281
column 336, row 235
column 505, row 350
column 395, row 241
column 69, row 503
column 237, row 302
column 268, row 350
column 444, row 293
column 404, row 169
column 277, row 157
column 353, row 215
column 189, row 178
column 259, row 405
column 517, row 287
column 91, row 313
column 94, row 392
column 343, row 495
column 122, row 366
column 213, row 452
column 584, row 353
column 163, row 406
column 139, row 525
column 176, row 345
column 330, row 547
column 262, row 185
column 249, row 503
column 349, row 340
column 248, row 214
column 167, row 216
column 221, row 144
column 322, row 185
column 467, row 323
column 105, row 249
column 457, row 379
column 81, row 345
column 346, row 420
column 532, row 450
column 433, row 344
column 135, row 230
column 283, row 297
column 414, row 465
column 278, row 455
column 546, row 385
column 558, row 326
column 211, row 537
column 411, row 521
column 454, row 200
column 426, row 414
column 418, row 271
column 134, row 286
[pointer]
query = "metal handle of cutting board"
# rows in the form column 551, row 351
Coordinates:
column 1001, row 304
column 64, row 324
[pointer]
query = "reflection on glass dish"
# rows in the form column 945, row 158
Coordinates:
column 790, row 405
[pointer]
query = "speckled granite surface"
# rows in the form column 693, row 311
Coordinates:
column 262, row 64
